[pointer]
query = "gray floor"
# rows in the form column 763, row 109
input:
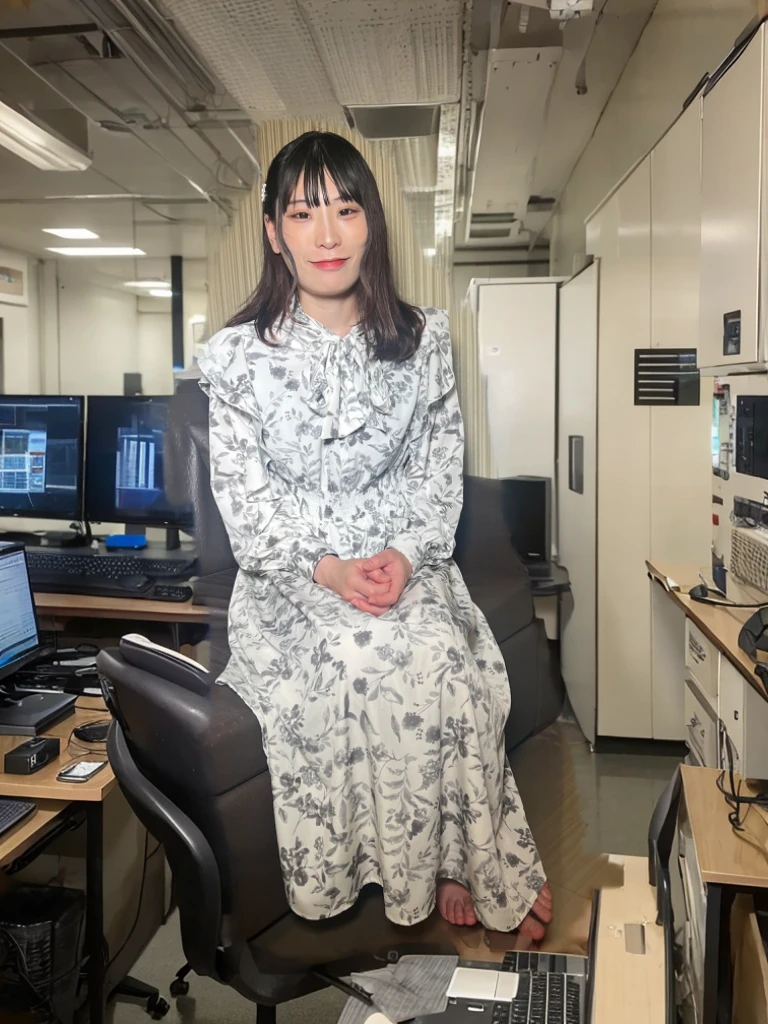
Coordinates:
column 616, row 794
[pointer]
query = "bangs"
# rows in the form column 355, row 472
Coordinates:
column 315, row 159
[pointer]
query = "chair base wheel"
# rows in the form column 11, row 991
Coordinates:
column 179, row 987
column 157, row 1007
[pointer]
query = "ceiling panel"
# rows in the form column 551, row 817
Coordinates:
column 263, row 52
column 519, row 82
column 389, row 51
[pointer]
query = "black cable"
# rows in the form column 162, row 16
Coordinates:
column 147, row 858
column 734, row 797
column 22, row 970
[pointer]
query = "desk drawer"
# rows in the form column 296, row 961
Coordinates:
column 701, row 726
column 732, row 685
column 702, row 659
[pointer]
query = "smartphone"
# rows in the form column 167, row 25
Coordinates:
column 80, row 772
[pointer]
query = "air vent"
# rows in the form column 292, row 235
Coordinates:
column 398, row 122
column 540, row 204
column 493, row 218
column 666, row 376
column 489, row 233
column 494, row 225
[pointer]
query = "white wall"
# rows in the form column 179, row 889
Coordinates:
column 98, row 334
column 153, row 353
column 683, row 40
column 21, row 340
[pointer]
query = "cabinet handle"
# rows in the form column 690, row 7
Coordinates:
column 735, row 716
column 576, row 463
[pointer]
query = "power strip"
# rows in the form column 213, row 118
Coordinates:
column 749, row 556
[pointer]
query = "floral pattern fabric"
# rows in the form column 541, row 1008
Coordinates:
column 384, row 735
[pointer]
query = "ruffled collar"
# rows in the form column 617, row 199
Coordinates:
column 341, row 382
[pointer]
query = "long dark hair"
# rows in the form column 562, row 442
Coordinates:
column 393, row 327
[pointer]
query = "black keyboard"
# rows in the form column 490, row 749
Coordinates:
column 110, row 567
column 123, row 586
column 13, row 811
column 542, row 999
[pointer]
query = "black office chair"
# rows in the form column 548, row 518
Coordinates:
column 661, row 836
column 187, row 754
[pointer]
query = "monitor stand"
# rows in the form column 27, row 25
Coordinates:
column 172, row 541
column 79, row 536
column 27, row 713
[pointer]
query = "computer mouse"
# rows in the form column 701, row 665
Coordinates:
column 378, row 1018
column 135, row 583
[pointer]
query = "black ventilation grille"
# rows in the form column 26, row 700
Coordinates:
column 666, row 376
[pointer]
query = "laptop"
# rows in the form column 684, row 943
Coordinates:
column 549, row 988
column 22, row 713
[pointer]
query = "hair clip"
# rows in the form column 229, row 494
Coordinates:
column 264, row 192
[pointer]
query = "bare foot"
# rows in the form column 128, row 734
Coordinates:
column 455, row 902
column 539, row 916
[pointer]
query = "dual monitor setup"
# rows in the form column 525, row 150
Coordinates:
column 94, row 460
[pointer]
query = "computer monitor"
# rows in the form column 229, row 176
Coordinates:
column 41, row 456
column 22, row 713
column 19, row 636
column 124, row 463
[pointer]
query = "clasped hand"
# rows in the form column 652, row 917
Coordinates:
column 373, row 585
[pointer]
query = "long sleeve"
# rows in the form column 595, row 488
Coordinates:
column 266, row 529
column 437, row 460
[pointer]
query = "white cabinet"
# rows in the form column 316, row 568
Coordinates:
column 652, row 461
column 733, row 268
column 623, row 464
column 577, row 498
column 681, row 476
column 675, row 233
column 517, row 344
column 744, row 716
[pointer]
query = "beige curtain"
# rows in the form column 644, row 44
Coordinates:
column 236, row 254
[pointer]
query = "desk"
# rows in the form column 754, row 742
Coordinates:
column 63, row 607
column 721, row 625
column 53, row 799
column 704, row 677
column 728, row 863
column 19, row 839
column 628, row 987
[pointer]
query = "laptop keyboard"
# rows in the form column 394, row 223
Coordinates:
column 543, row 963
column 542, row 999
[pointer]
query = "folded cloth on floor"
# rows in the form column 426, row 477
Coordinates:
column 413, row 987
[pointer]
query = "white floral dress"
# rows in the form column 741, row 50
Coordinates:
column 384, row 735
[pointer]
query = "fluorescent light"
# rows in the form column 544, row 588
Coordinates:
column 98, row 250
column 161, row 293
column 32, row 140
column 72, row 233
column 146, row 284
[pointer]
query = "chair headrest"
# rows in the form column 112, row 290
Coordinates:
column 159, row 661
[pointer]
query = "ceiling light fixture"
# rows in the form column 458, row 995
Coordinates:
column 31, row 139
column 146, row 284
column 98, row 250
column 71, row 233
column 161, row 293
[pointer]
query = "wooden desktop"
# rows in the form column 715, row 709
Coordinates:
column 57, row 800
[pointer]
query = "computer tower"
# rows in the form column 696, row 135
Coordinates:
column 526, row 507
column 41, row 948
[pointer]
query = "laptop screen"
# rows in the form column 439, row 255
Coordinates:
column 19, row 637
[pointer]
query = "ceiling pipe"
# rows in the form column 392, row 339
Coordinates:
column 40, row 31
column 96, row 8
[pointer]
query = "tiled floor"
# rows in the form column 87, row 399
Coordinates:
column 581, row 807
